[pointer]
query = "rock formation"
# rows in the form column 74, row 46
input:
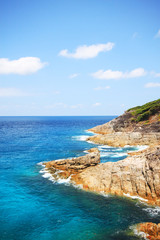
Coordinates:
column 120, row 139
column 68, row 167
column 137, row 126
column 151, row 230
column 137, row 175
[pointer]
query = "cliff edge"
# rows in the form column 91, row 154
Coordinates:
column 137, row 126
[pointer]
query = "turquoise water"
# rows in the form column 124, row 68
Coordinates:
column 32, row 207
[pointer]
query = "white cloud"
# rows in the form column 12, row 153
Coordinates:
column 97, row 104
column 102, row 88
column 12, row 92
column 154, row 74
column 56, row 92
column 22, row 66
column 74, row 75
column 158, row 34
column 109, row 74
column 152, row 84
column 85, row 52
column 157, row 75
column 57, row 105
column 77, row 106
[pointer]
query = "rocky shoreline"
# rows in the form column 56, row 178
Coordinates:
column 137, row 176
column 121, row 139
column 66, row 168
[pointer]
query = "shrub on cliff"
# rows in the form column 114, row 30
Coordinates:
column 143, row 112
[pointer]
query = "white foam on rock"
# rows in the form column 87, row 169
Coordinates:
column 92, row 142
column 90, row 132
column 138, row 148
column 113, row 154
column 104, row 194
column 81, row 137
column 64, row 181
column 139, row 233
column 134, row 197
column 104, row 147
column 46, row 174
column 40, row 164
column 153, row 211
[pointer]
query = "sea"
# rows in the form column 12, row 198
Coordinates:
column 34, row 207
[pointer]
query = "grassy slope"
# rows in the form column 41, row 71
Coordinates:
column 141, row 113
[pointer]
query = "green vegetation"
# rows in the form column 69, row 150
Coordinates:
column 141, row 113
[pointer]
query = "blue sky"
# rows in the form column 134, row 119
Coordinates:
column 78, row 57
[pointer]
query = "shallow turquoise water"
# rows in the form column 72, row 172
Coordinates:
column 32, row 207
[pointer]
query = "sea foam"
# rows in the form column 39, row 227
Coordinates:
column 134, row 197
column 153, row 211
column 81, row 137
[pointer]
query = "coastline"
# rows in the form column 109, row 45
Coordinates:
column 136, row 177
column 118, row 178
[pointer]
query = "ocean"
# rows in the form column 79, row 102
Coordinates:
column 32, row 207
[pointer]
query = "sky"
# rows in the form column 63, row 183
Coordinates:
column 78, row 57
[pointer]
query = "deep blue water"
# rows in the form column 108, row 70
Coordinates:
column 34, row 208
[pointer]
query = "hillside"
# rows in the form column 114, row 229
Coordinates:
column 145, row 118
column 146, row 111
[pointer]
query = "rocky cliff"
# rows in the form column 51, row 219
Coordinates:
column 143, row 119
column 137, row 126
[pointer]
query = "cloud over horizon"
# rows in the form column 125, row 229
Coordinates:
column 102, row 88
column 86, row 52
column 96, row 104
column 109, row 74
column 152, row 84
column 12, row 92
column 21, row 66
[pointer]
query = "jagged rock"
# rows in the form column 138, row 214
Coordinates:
column 135, row 176
column 74, row 165
column 151, row 230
